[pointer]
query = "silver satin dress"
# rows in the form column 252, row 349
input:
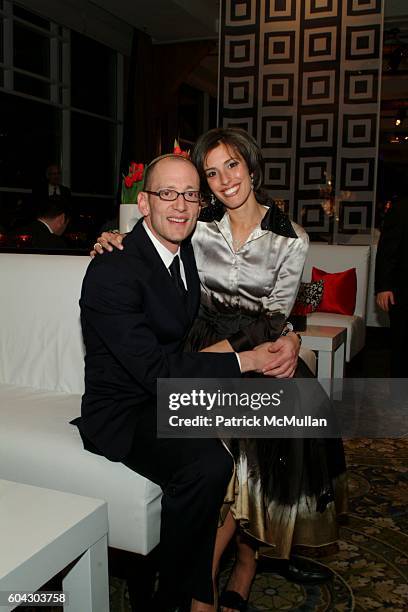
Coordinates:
column 263, row 275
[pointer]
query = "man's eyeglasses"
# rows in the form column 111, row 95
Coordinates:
column 170, row 195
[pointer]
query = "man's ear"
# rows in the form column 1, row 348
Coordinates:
column 59, row 224
column 143, row 203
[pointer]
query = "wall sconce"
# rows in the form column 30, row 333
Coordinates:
column 401, row 115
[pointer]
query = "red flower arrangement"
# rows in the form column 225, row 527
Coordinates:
column 178, row 151
column 132, row 183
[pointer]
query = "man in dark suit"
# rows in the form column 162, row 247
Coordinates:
column 50, row 188
column 136, row 309
column 391, row 283
column 47, row 230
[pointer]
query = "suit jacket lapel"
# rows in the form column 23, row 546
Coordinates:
column 140, row 241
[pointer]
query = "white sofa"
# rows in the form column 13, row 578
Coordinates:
column 41, row 382
column 336, row 258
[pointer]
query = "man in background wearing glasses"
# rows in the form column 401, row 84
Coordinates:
column 137, row 306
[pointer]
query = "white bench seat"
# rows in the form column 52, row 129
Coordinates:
column 38, row 446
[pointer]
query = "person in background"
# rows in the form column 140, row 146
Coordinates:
column 50, row 188
column 47, row 230
column 391, row 282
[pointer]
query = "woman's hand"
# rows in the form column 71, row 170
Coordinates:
column 106, row 242
column 284, row 357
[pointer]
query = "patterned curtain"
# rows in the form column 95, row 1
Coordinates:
column 303, row 77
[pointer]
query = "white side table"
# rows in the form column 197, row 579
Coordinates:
column 41, row 532
column 329, row 343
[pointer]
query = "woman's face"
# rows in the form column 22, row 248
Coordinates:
column 228, row 176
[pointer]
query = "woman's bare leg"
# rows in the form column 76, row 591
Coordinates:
column 244, row 568
column 224, row 535
column 245, row 563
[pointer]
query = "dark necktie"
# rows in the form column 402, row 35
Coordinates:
column 175, row 273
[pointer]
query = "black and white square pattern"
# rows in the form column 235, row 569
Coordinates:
column 240, row 51
column 240, row 12
column 278, row 89
column 318, row 87
column 355, row 217
column 362, row 42
column 314, row 172
column 279, row 47
column 361, row 86
column 316, row 9
column 277, row 172
column 320, row 44
column 316, row 130
column 363, row 7
column 312, row 217
column 280, row 10
column 357, row 174
column 239, row 92
column 276, row 131
column 245, row 123
column 302, row 76
column 359, row 130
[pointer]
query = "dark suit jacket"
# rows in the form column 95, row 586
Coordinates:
column 134, row 322
column 391, row 269
column 42, row 238
column 40, row 193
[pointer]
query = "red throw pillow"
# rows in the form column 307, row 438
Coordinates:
column 339, row 292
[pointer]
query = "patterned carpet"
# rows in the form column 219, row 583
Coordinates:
column 371, row 566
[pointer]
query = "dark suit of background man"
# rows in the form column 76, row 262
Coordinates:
column 50, row 187
column 134, row 319
column 47, row 230
column 391, row 283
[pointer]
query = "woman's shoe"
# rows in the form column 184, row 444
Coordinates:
column 301, row 571
column 232, row 599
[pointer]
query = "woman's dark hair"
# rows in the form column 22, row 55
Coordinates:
column 236, row 139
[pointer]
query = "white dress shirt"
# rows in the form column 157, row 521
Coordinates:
column 165, row 255
column 53, row 190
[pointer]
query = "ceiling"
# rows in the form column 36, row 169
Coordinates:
column 175, row 20
column 168, row 20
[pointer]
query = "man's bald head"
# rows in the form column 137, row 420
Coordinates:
column 154, row 166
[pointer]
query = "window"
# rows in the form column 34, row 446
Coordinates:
column 31, row 50
column 92, row 155
column 29, row 140
column 93, row 76
column 22, row 13
column 59, row 105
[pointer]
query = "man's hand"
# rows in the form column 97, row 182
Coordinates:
column 385, row 299
column 284, row 358
column 256, row 359
column 277, row 358
column 106, row 242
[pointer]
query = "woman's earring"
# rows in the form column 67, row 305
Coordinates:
column 252, row 182
column 212, row 200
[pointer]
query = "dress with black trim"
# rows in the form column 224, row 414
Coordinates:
column 285, row 492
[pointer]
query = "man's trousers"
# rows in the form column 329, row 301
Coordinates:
column 193, row 474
